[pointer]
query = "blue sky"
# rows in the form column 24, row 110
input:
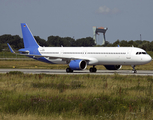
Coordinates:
column 125, row 19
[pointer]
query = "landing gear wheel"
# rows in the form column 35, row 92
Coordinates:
column 134, row 71
column 69, row 70
column 92, row 69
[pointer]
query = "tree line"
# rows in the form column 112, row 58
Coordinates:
column 17, row 42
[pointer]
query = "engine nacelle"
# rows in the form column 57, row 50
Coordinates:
column 113, row 67
column 78, row 64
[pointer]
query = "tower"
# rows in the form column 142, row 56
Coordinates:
column 99, row 30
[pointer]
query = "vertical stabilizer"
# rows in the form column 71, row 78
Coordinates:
column 28, row 39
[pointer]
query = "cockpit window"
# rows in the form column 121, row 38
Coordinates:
column 138, row 53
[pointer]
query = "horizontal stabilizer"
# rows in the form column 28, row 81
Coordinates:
column 12, row 51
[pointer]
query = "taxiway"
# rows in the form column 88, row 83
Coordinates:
column 99, row 72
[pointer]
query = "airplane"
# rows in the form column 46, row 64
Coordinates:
column 79, row 57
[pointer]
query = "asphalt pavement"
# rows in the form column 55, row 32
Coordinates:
column 99, row 72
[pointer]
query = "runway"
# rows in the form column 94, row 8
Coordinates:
column 99, row 72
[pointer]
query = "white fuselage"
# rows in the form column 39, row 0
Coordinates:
column 97, row 55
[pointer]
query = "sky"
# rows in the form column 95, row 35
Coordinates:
column 125, row 19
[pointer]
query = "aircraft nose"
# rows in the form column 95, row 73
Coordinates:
column 148, row 58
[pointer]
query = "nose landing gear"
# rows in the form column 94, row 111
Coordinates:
column 134, row 70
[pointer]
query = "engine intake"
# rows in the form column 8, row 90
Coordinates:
column 113, row 67
column 78, row 64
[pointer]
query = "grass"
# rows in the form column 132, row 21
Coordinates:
column 42, row 96
column 5, row 54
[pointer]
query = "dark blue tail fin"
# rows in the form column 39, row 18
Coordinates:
column 28, row 39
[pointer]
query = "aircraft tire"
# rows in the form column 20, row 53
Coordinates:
column 134, row 71
column 92, row 69
column 69, row 70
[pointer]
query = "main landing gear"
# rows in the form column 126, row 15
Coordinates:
column 69, row 70
column 93, row 69
column 134, row 70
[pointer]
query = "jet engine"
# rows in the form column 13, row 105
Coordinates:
column 113, row 67
column 78, row 64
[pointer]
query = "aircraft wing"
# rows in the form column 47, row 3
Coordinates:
column 56, row 57
column 66, row 58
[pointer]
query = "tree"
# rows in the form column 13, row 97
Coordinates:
column 124, row 43
column 139, row 42
column 54, row 41
column 15, row 41
column 40, row 41
column 108, row 44
column 144, row 45
column 88, row 41
column 132, row 43
column 116, row 43
column 68, row 41
column 150, row 46
column 1, row 48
